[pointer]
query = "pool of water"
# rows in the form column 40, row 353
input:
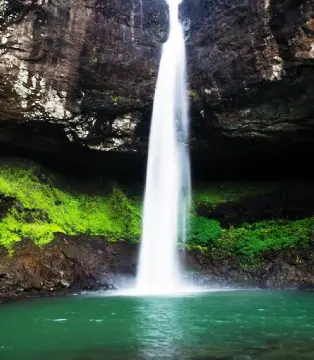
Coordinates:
column 233, row 325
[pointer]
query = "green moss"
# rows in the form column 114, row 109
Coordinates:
column 43, row 209
column 250, row 243
column 268, row 236
column 194, row 95
column 124, row 215
column 13, row 230
column 52, row 210
column 202, row 231
column 115, row 99
column 212, row 195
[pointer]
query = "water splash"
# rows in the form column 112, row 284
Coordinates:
column 167, row 193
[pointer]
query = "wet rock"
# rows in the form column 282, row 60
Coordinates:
column 74, row 263
column 65, row 283
column 36, row 271
column 273, row 272
column 79, row 77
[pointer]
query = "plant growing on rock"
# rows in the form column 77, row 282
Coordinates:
column 43, row 209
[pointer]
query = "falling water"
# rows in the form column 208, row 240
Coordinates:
column 167, row 193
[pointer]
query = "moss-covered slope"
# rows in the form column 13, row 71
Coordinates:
column 34, row 205
column 41, row 209
column 246, row 223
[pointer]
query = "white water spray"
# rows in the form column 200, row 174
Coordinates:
column 167, row 193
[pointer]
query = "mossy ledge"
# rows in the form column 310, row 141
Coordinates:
column 35, row 206
column 41, row 208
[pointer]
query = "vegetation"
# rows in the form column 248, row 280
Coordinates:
column 203, row 231
column 115, row 99
column 251, row 242
column 194, row 95
column 40, row 209
column 43, row 209
column 227, row 192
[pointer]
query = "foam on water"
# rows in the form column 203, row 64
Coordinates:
column 182, row 292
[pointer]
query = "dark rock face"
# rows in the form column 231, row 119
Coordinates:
column 289, row 201
column 284, row 270
column 73, row 264
column 253, row 63
column 67, row 264
column 81, row 75
column 87, row 67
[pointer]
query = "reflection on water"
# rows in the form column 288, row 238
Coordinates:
column 242, row 325
column 160, row 331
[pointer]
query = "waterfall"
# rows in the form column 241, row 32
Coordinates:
column 167, row 192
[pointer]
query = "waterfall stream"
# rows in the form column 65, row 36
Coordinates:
column 167, row 192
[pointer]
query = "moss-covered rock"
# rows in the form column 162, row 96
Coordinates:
column 42, row 209
column 246, row 222
column 233, row 204
column 74, row 229
column 36, row 205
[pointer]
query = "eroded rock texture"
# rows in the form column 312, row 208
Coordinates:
column 67, row 264
column 81, row 74
column 88, row 67
column 83, row 263
column 253, row 61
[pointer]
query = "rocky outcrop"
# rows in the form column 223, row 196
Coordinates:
column 80, row 75
column 282, row 270
column 80, row 263
column 252, row 65
column 87, row 67
column 66, row 265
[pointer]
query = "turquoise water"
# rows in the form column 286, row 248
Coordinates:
column 233, row 325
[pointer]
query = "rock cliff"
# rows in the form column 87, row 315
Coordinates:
column 79, row 76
